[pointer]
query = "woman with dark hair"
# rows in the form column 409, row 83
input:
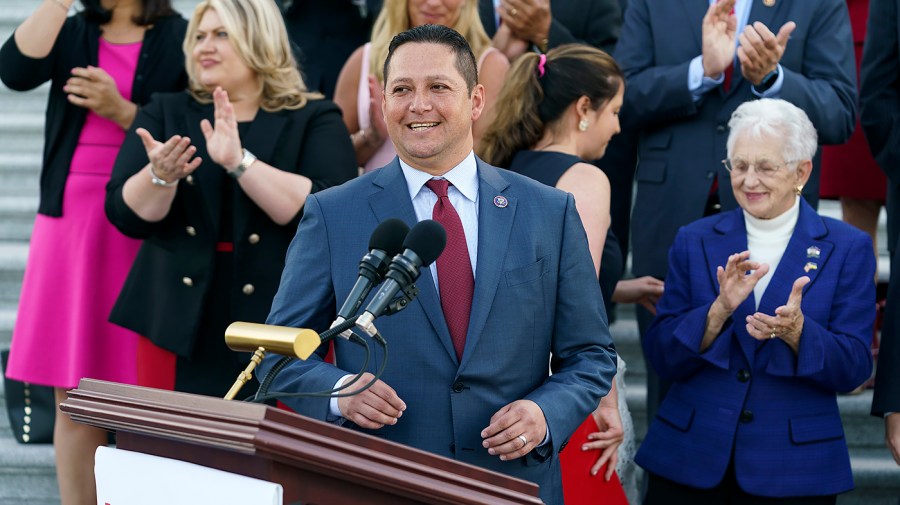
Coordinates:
column 102, row 64
column 554, row 112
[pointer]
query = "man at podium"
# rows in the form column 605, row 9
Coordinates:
column 513, row 290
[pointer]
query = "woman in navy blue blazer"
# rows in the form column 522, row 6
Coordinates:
column 767, row 314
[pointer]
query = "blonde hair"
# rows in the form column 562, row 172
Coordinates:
column 257, row 33
column 394, row 18
column 535, row 96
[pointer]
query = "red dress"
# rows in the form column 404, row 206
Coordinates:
column 579, row 486
column 849, row 169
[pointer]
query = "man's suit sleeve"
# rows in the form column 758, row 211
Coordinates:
column 826, row 89
column 305, row 299
column 583, row 356
column 653, row 93
column 880, row 92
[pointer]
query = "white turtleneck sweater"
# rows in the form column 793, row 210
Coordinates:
column 767, row 239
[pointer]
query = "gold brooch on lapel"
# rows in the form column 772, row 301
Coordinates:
column 813, row 252
column 810, row 266
column 500, row 201
column 769, row 3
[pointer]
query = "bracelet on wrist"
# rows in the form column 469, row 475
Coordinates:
column 158, row 181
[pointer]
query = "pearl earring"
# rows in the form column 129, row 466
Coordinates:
column 583, row 125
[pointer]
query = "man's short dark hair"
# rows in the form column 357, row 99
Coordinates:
column 438, row 34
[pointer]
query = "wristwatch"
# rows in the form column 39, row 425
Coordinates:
column 245, row 163
column 767, row 81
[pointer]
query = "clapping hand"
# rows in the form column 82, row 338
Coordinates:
column 786, row 324
column 735, row 283
column 94, row 89
column 171, row 160
column 760, row 50
column 223, row 142
column 527, row 19
column 719, row 31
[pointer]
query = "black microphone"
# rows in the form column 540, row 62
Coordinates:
column 425, row 242
column 385, row 243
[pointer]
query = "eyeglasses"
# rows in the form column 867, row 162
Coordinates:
column 764, row 168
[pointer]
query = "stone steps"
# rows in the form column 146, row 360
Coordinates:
column 27, row 472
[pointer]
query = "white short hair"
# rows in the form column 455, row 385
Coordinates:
column 775, row 118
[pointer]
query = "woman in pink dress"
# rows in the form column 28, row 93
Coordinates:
column 101, row 63
column 359, row 85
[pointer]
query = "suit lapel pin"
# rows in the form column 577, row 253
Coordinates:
column 810, row 266
column 769, row 3
column 500, row 201
column 813, row 252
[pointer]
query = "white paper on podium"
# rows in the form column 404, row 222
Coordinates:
column 133, row 478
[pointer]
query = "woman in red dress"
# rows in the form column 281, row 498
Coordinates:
column 849, row 171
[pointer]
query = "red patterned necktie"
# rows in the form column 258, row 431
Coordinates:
column 454, row 269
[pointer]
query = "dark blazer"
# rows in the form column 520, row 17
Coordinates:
column 325, row 34
column 160, row 69
column 771, row 411
column 163, row 297
column 880, row 99
column 681, row 143
column 536, row 294
column 592, row 22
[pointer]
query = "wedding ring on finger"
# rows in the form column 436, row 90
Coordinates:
column 523, row 439
column 513, row 12
column 772, row 335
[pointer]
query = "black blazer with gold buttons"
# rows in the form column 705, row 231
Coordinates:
column 163, row 296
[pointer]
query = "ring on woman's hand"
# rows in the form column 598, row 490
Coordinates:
column 772, row 335
column 523, row 439
column 513, row 12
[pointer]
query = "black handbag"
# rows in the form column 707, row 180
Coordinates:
column 31, row 409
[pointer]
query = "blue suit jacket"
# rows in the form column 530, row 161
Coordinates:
column 536, row 295
column 681, row 142
column 776, row 409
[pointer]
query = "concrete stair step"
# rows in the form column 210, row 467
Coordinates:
column 877, row 479
column 13, row 256
column 17, row 217
column 22, row 132
column 7, row 321
column 27, row 473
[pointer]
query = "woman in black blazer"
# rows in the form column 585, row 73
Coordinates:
column 214, row 180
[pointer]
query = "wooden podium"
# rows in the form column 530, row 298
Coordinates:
column 315, row 462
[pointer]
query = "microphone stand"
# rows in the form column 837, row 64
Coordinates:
column 246, row 331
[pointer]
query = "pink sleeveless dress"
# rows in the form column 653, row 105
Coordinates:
column 77, row 264
column 386, row 152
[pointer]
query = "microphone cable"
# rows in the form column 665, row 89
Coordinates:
column 336, row 392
